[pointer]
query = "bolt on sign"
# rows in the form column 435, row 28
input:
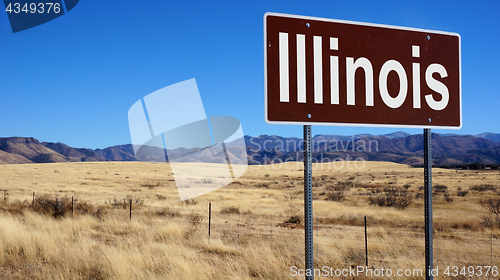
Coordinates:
column 333, row 72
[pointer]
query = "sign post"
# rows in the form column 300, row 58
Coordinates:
column 308, row 201
column 428, row 203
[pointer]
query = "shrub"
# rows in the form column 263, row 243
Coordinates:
column 345, row 185
column 161, row 196
column 342, row 186
column 194, row 220
column 14, row 206
column 230, row 210
column 475, row 166
column 82, row 207
column 492, row 205
column 447, row 197
column 462, row 193
column 338, row 196
column 115, row 203
column 264, row 185
column 295, row 219
column 99, row 214
column 51, row 206
column 350, row 220
column 392, row 197
column 483, row 187
column 125, row 203
column 137, row 201
column 490, row 222
column 316, row 184
column 167, row 212
column 440, row 188
column 355, row 257
column 190, row 201
column 60, row 207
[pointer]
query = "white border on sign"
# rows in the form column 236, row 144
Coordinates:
column 365, row 24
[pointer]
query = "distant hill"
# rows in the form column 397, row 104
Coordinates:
column 395, row 135
column 400, row 147
column 30, row 149
column 490, row 153
column 495, row 137
column 8, row 158
column 446, row 150
column 117, row 153
column 440, row 144
column 73, row 154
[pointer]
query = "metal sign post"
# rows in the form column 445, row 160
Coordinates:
column 311, row 78
column 428, row 203
column 308, row 201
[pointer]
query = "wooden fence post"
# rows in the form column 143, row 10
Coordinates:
column 271, row 230
column 131, row 209
column 366, row 245
column 209, row 218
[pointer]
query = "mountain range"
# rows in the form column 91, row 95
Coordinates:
column 400, row 147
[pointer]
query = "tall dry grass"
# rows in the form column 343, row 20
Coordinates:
column 39, row 247
column 165, row 239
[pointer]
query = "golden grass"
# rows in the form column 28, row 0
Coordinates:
column 162, row 241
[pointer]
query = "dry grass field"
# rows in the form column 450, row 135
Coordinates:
column 256, row 230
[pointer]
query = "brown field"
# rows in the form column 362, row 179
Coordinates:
column 252, row 231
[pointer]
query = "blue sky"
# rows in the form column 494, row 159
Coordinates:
column 73, row 79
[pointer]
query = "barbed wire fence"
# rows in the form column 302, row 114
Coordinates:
column 376, row 247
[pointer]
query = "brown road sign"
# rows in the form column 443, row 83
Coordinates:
column 332, row 72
